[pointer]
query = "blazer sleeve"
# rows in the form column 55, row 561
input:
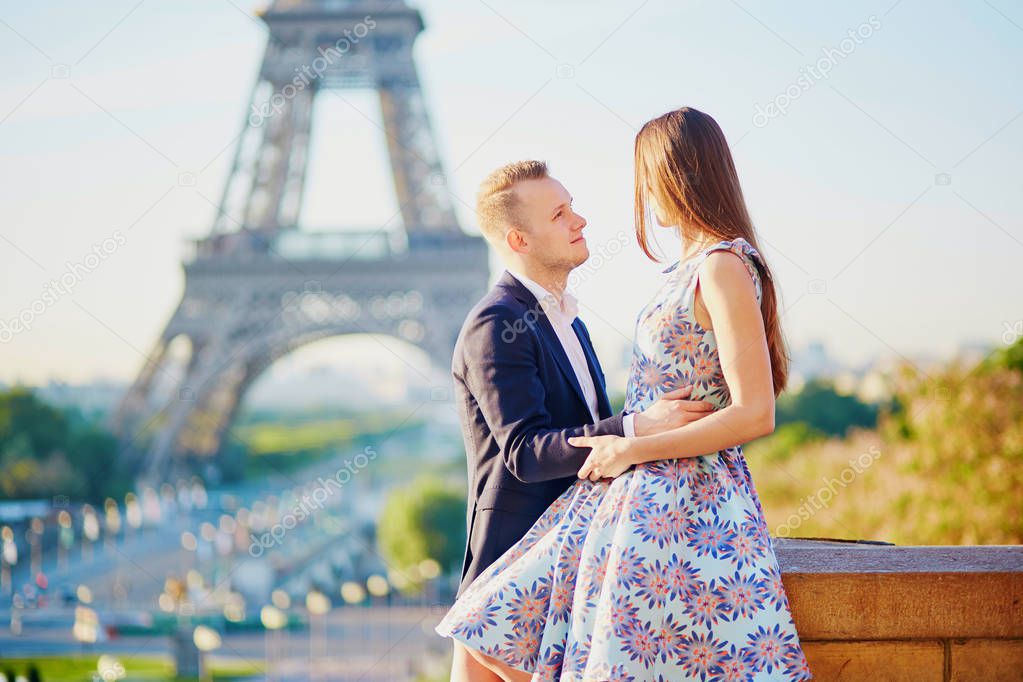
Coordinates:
column 502, row 371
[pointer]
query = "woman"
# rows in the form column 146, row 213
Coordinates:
column 657, row 564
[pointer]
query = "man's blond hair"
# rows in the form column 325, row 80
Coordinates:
column 496, row 201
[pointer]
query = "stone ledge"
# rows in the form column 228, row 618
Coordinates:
column 986, row 659
column 813, row 555
column 875, row 660
column 868, row 610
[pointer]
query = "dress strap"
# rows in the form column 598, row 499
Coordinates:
column 750, row 257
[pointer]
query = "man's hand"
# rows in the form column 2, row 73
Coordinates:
column 671, row 411
column 608, row 458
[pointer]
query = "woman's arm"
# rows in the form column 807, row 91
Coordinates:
column 730, row 298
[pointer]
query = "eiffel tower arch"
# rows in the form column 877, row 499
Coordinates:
column 257, row 287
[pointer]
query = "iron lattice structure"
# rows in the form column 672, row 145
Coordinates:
column 257, row 287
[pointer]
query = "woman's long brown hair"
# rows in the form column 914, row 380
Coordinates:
column 683, row 161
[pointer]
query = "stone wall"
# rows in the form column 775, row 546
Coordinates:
column 872, row 611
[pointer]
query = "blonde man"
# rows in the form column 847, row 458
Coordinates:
column 526, row 377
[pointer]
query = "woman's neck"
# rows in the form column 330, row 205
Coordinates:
column 692, row 248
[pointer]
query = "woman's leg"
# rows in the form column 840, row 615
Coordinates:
column 506, row 672
column 469, row 665
column 465, row 667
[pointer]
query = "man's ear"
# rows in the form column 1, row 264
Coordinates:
column 516, row 240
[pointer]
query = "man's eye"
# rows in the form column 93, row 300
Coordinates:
column 557, row 215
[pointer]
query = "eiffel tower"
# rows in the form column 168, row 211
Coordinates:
column 257, row 287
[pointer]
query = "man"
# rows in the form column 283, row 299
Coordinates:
column 526, row 377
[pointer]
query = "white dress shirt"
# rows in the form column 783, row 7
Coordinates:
column 561, row 318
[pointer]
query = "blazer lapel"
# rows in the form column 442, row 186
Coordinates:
column 603, row 403
column 550, row 337
column 547, row 333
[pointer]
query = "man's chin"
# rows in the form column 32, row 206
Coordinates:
column 582, row 258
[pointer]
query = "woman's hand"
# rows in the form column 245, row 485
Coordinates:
column 608, row 458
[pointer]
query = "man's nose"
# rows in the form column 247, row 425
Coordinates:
column 582, row 222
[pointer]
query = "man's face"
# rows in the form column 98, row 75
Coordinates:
column 553, row 234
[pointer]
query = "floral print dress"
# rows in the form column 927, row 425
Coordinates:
column 665, row 573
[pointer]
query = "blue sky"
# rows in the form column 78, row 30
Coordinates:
column 887, row 196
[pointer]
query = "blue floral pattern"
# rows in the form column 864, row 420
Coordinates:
column 667, row 572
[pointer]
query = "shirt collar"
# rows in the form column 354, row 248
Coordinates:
column 569, row 307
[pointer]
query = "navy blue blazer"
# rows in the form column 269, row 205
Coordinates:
column 519, row 402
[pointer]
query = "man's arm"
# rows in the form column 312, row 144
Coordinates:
column 503, row 375
column 673, row 409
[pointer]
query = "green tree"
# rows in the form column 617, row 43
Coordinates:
column 823, row 408
column 22, row 413
column 424, row 520
column 45, row 451
column 93, row 453
column 786, row 440
column 1010, row 357
column 944, row 468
